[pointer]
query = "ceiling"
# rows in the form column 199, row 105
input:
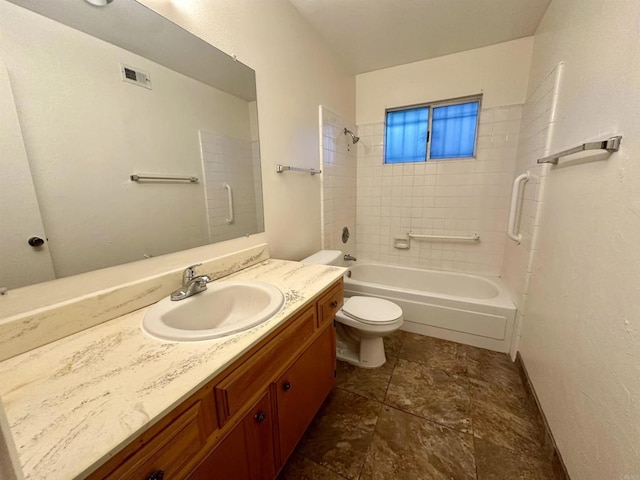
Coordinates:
column 375, row 34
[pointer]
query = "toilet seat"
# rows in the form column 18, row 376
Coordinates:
column 371, row 310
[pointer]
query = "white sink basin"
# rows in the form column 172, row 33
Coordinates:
column 224, row 308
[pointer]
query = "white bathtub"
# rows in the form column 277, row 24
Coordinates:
column 460, row 307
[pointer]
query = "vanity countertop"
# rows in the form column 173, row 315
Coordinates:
column 73, row 403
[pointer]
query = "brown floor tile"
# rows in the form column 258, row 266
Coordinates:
column 368, row 382
column 434, row 352
column 431, row 393
column 493, row 367
column 301, row 468
column 340, row 435
column 431, row 384
column 393, row 344
column 504, row 395
column 408, row 447
column 498, row 463
column 505, row 417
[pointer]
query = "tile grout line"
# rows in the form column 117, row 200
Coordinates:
column 382, row 403
column 420, row 416
column 483, row 373
column 320, row 465
column 475, row 457
column 472, row 401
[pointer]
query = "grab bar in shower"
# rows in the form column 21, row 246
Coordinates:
column 284, row 168
column 137, row 177
column 473, row 238
column 610, row 145
column 229, row 219
column 515, row 194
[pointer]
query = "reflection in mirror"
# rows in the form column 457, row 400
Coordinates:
column 123, row 92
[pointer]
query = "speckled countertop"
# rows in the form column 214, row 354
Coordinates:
column 73, row 403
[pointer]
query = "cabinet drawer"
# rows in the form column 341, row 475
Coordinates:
column 168, row 451
column 329, row 304
column 236, row 389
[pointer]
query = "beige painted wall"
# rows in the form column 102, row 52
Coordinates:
column 295, row 73
column 499, row 72
column 581, row 336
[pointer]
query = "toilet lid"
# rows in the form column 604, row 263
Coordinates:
column 373, row 311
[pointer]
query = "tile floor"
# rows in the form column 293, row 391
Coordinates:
column 435, row 410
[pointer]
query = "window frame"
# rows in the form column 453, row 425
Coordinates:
column 431, row 106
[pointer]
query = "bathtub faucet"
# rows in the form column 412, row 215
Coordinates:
column 349, row 258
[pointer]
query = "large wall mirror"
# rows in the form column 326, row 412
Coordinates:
column 92, row 96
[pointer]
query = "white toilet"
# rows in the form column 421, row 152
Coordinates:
column 362, row 322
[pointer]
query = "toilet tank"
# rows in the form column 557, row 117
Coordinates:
column 325, row 257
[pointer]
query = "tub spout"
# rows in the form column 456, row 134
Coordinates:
column 349, row 258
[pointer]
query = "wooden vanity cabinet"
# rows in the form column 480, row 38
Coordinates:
column 302, row 389
column 245, row 423
column 330, row 303
column 228, row 460
column 247, row 452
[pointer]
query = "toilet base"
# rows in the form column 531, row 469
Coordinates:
column 361, row 352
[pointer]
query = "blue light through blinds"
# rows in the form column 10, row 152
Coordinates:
column 454, row 130
column 406, row 136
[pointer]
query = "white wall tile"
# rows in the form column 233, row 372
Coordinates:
column 339, row 180
column 456, row 197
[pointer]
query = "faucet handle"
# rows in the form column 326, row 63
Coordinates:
column 189, row 273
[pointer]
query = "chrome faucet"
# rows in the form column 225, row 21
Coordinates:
column 349, row 258
column 191, row 284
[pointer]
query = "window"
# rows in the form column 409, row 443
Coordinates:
column 431, row 132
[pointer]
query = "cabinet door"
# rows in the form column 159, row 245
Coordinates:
column 227, row 461
column 258, row 431
column 302, row 389
column 247, row 453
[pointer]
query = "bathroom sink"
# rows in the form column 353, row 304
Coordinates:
column 224, row 308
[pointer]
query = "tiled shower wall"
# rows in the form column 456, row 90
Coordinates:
column 236, row 162
column 443, row 197
column 538, row 117
column 338, row 160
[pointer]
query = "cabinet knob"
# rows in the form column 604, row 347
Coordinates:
column 334, row 304
column 260, row 417
column 286, row 386
column 35, row 241
column 157, row 475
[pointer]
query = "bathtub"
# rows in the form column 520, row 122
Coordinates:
column 464, row 308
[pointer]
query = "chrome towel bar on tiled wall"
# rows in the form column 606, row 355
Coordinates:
column 138, row 177
column 284, row 168
column 610, row 145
